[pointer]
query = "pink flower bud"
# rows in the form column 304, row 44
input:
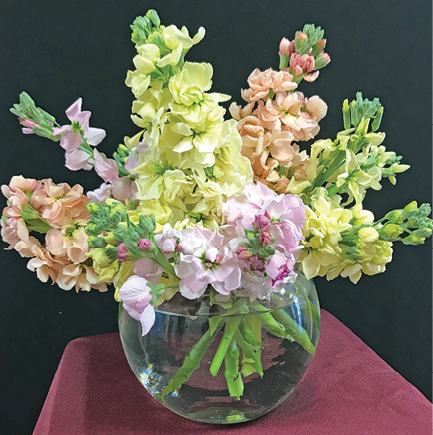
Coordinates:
column 144, row 245
column 123, row 253
column 262, row 222
column 308, row 63
column 301, row 36
column 265, row 239
column 287, row 47
column 321, row 43
column 243, row 252
column 326, row 57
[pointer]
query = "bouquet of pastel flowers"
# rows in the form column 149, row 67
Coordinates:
column 196, row 208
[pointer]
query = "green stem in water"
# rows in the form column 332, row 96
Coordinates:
column 232, row 325
column 192, row 360
column 295, row 330
column 233, row 377
column 268, row 321
column 250, row 355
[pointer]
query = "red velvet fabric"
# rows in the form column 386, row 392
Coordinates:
column 348, row 389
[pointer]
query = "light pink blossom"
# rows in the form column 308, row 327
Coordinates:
column 100, row 194
column 71, row 134
column 280, row 269
column 287, row 47
column 210, row 263
column 106, row 168
column 136, row 297
column 123, row 188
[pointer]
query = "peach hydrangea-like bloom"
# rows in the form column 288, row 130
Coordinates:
column 80, row 276
column 42, row 262
column 59, row 202
column 268, row 149
column 71, row 240
column 58, row 267
column 299, row 115
column 261, row 82
column 18, row 192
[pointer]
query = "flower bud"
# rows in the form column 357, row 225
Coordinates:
column 301, row 36
column 390, row 231
column 123, row 253
column 145, row 245
column 93, row 207
column 394, row 216
column 110, row 238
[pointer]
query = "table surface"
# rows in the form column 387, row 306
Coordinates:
column 348, row 389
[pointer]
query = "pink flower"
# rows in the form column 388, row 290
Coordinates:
column 148, row 269
column 78, row 159
column 136, row 297
column 106, row 168
column 280, row 269
column 262, row 222
column 210, row 263
column 101, row 194
column 71, row 134
column 144, row 245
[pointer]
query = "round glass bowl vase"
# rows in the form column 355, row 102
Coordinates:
column 225, row 365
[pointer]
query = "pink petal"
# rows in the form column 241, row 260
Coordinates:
column 76, row 160
column 74, row 109
column 70, row 141
column 106, row 168
column 94, row 135
column 147, row 319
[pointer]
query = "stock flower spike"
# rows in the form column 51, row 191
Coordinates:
column 196, row 208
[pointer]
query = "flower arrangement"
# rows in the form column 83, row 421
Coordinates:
column 199, row 207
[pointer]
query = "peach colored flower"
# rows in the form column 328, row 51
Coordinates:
column 261, row 82
column 58, row 267
column 238, row 112
column 292, row 159
column 13, row 225
column 80, row 276
column 43, row 262
column 19, row 187
column 71, row 240
column 296, row 118
column 60, row 202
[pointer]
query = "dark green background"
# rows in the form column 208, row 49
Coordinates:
column 59, row 51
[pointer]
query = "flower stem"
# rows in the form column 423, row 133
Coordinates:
column 233, row 377
column 251, row 356
column 192, row 360
column 232, row 325
column 295, row 330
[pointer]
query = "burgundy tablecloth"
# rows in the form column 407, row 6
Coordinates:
column 348, row 389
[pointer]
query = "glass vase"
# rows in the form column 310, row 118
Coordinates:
column 221, row 365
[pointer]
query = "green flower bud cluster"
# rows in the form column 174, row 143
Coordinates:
column 410, row 225
column 358, row 111
column 355, row 161
column 40, row 122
